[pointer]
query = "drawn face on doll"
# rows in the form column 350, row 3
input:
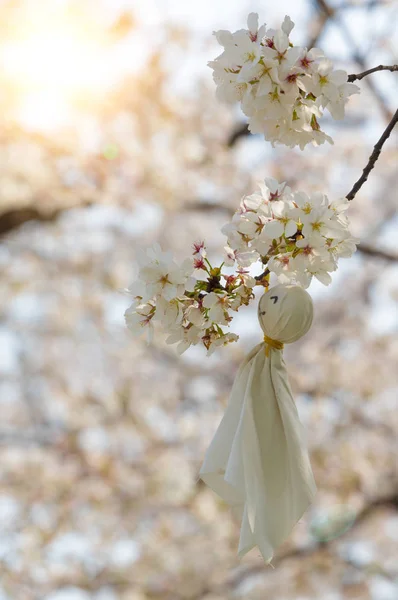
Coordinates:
column 285, row 312
column 269, row 306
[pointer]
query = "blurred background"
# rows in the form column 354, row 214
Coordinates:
column 111, row 139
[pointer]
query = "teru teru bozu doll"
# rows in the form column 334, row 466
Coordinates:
column 258, row 461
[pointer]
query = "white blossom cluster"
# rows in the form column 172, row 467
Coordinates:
column 295, row 235
column 191, row 309
column 292, row 234
column 283, row 89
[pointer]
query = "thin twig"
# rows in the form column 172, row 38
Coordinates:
column 334, row 14
column 360, row 76
column 373, row 157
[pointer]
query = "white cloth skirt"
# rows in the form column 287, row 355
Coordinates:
column 258, row 460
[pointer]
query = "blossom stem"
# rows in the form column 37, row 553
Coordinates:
column 373, row 157
column 359, row 76
column 206, row 260
column 262, row 276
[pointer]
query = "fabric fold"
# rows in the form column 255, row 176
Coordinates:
column 257, row 461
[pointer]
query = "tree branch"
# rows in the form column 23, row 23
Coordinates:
column 360, row 76
column 334, row 15
column 16, row 217
column 390, row 501
column 371, row 251
column 259, row 568
column 373, row 157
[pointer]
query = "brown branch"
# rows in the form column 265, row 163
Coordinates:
column 240, row 131
column 373, row 157
column 317, row 31
column 360, row 76
column 333, row 14
column 371, row 251
column 14, row 218
column 261, row 279
column 230, row 584
column 207, row 206
column 390, row 501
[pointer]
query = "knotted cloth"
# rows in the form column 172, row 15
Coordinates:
column 258, row 461
column 271, row 343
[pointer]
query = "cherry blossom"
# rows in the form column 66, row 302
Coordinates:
column 283, row 89
column 162, row 276
column 221, row 340
column 190, row 309
column 218, row 307
column 139, row 318
column 184, row 337
column 295, row 235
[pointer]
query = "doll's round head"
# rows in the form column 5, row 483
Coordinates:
column 285, row 313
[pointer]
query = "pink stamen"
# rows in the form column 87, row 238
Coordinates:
column 274, row 196
column 307, row 250
column 198, row 246
column 305, row 62
column 230, row 280
column 199, row 263
column 292, row 78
